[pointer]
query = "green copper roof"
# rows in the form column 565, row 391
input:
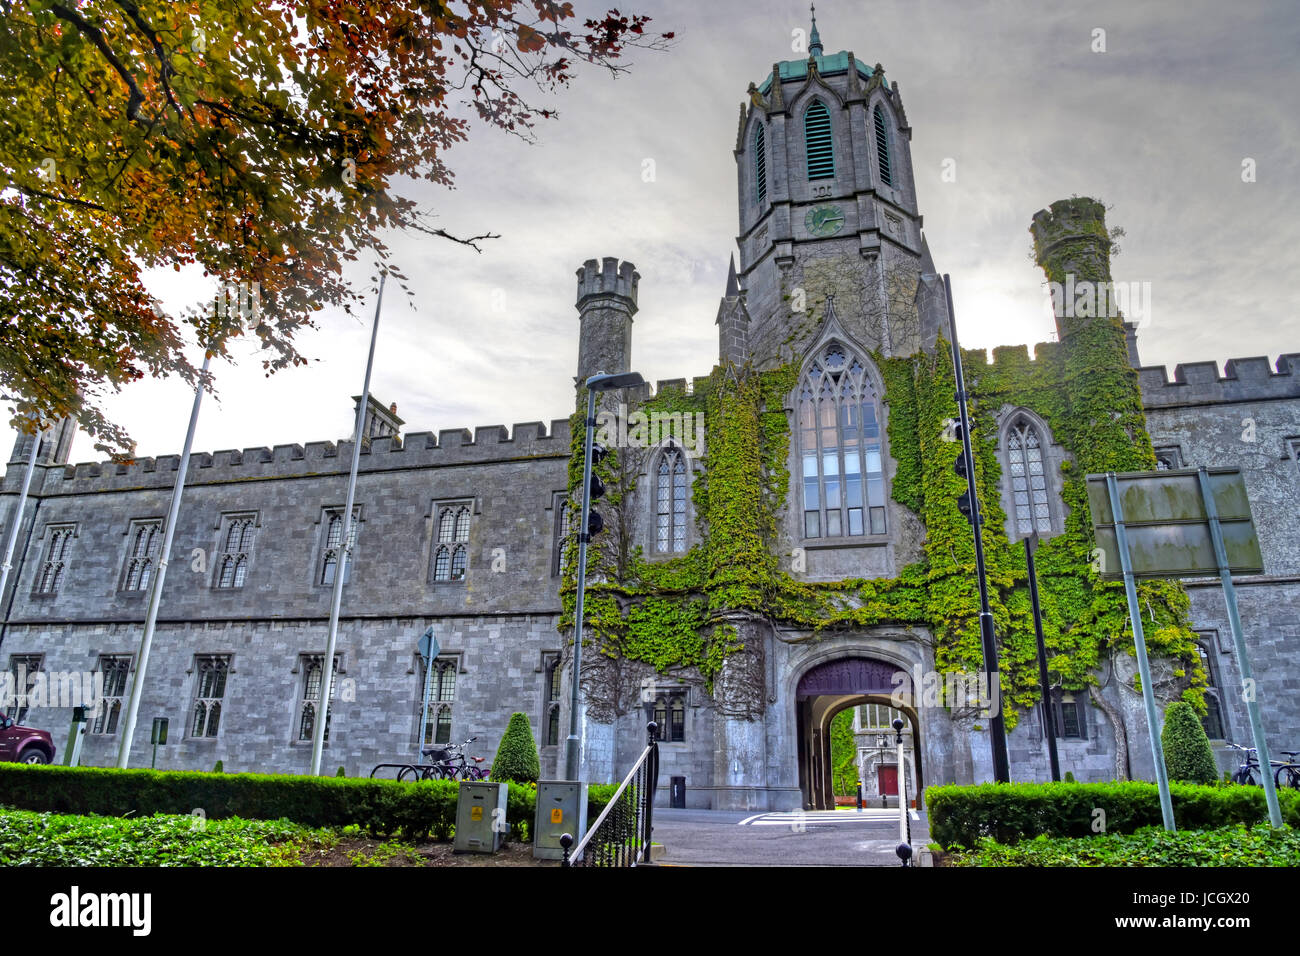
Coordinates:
column 826, row 65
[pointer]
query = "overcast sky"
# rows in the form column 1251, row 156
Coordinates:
column 1157, row 127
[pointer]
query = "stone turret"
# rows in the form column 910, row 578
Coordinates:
column 56, row 444
column 733, row 322
column 1072, row 247
column 606, row 304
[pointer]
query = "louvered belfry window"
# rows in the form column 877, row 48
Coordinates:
column 882, row 148
column 818, row 143
column 760, row 164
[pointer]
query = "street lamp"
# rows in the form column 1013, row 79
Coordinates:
column 599, row 382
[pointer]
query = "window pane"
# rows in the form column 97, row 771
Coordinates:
column 811, row 524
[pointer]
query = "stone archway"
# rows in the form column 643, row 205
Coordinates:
column 828, row 688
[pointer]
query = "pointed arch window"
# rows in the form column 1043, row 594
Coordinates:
column 840, row 447
column 819, row 146
column 451, row 553
column 141, row 556
column 333, row 540
column 760, row 164
column 554, row 676
column 1031, row 510
column 237, row 547
column 564, row 527
column 882, row 147
column 210, row 691
column 670, row 501
column 442, row 697
column 56, row 559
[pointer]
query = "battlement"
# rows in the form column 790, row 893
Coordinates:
column 1068, row 219
column 458, row 446
column 1199, row 383
column 608, row 278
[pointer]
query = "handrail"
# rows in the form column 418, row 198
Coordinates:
column 647, row 762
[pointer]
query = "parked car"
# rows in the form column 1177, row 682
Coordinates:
column 24, row 744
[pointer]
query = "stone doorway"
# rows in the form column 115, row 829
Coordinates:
column 826, row 690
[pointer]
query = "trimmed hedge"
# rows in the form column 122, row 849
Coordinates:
column 1188, row 757
column 413, row 810
column 1009, row 813
column 516, row 760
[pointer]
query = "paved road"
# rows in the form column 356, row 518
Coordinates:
column 794, row 838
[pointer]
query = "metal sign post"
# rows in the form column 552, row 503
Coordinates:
column 1178, row 524
column 1144, row 666
column 428, row 647
column 1239, row 642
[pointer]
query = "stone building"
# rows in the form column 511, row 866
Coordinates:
column 855, row 587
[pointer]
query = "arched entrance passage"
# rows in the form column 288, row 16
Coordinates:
column 829, row 688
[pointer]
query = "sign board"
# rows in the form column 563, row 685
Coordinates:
column 1167, row 525
column 428, row 644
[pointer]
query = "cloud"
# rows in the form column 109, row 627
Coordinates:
column 1157, row 126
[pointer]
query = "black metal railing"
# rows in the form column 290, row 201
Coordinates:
column 621, row 834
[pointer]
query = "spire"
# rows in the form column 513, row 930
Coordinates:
column 733, row 284
column 814, row 39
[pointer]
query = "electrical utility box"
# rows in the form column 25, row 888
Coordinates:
column 480, row 817
column 561, row 808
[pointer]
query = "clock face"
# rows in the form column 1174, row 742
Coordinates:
column 824, row 220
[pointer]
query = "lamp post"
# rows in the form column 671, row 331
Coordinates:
column 988, row 637
column 597, row 383
column 1049, row 721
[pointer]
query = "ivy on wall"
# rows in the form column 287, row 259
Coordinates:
column 678, row 613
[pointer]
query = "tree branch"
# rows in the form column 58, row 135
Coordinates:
column 96, row 37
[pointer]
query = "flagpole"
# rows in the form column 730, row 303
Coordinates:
column 340, row 568
column 156, row 585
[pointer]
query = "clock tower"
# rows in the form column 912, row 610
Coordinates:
column 827, row 203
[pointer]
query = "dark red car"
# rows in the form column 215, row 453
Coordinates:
column 24, row 744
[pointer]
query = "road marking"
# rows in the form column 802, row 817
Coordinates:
column 822, row 817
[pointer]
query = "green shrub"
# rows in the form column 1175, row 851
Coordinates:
column 382, row 807
column 340, row 773
column 1188, row 757
column 1009, row 813
column 218, row 767
column 1259, row 845
column 1069, row 777
column 48, row 839
column 516, row 758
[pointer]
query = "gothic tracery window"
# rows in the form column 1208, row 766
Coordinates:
column 56, row 559
column 1027, row 475
column 670, row 501
column 146, row 536
column 840, row 447
column 209, row 693
column 333, row 540
column 451, row 553
column 237, row 546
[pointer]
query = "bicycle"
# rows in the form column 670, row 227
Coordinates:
column 1288, row 771
column 1288, row 775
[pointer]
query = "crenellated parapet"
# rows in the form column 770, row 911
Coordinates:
column 487, row 444
column 1200, row 383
